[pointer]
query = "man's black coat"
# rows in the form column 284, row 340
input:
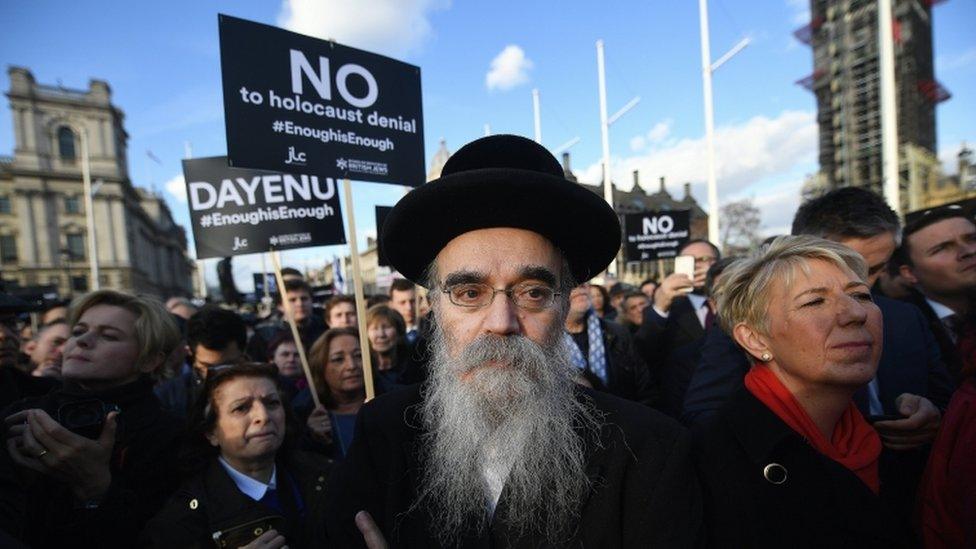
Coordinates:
column 820, row 503
column 644, row 492
column 950, row 351
column 657, row 337
column 627, row 374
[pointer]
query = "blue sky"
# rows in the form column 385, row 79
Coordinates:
column 162, row 61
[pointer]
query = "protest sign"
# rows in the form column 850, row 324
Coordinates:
column 655, row 235
column 238, row 211
column 293, row 102
column 381, row 213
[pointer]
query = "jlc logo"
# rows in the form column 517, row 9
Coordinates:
column 295, row 158
column 239, row 243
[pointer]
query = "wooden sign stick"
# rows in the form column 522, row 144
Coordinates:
column 290, row 318
column 357, row 278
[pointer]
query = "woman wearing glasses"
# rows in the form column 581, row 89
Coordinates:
column 250, row 487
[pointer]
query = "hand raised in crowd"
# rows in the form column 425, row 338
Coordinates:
column 320, row 424
column 39, row 443
column 701, row 272
column 371, row 532
column 918, row 427
column 268, row 540
column 673, row 285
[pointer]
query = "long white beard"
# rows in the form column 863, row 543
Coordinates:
column 516, row 414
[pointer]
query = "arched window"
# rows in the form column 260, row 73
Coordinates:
column 66, row 143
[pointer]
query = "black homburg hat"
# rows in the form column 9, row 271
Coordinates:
column 501, row 181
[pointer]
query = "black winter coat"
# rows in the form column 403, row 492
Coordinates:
column 739, row 455
column 42, row 511
column 211, row 502
column 644, row 492
column 627, row 375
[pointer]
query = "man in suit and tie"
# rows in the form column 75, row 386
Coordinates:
column 938, row 257
column 679, row 314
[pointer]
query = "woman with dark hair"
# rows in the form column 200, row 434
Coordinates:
column 88, row 464
column 601, row 302
column 336, row 361
column 391, row 353
column 251, row 488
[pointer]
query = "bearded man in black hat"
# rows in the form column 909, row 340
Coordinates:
column 500, row 447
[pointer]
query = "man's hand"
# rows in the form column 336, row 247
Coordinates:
column 268, row 540
column 701, row 272
column 920, row 425
column 371, row 532
column 39, row 443
column 672, row 286
column 320, row 425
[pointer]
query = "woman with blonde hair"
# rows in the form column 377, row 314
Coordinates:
column 87, row 465
column 790, row 460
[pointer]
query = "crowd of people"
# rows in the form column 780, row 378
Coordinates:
column 819, row 392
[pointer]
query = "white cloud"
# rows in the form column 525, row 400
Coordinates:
column 176, row 187
column 390, row 27
column 762, row 157
column 508, row 69
column 800, row 10
column 660, row 131
column 957, row 61
column 778, row 206
column 744, row 153
column 655, row 135
column 637, row 143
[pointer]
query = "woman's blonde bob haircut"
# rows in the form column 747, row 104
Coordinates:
column 156, row 332
column 743, row 292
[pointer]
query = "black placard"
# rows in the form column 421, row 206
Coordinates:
column 655, row 235
column 381, row 213
column 297, row 103
column 236, row 211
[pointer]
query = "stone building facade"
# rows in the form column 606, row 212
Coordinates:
column 43, row 228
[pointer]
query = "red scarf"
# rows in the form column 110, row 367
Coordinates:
column 854, row 444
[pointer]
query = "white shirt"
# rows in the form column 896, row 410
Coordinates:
column 940, row 310
column 254, row 489
column 495, row 470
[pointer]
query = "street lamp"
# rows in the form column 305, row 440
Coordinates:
column 605, row 122
column 707, row 69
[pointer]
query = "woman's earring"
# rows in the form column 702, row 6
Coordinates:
column 766, row 357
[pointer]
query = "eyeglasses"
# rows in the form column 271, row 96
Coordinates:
column 529, row 296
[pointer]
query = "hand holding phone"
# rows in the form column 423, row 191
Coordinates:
column 685, row 264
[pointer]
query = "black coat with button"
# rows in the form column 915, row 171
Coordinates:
column 211, row 502
column 41, row 511
column 643, row 491
column 765, row 486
